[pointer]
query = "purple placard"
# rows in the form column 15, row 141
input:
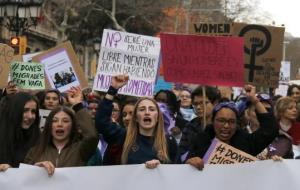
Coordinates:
column 210, row 150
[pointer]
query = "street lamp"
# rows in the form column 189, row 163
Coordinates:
column 19, row 15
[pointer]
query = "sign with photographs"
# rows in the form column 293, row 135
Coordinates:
column 62, row 68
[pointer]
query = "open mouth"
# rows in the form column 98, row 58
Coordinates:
column 59, row 132
column 147, row 120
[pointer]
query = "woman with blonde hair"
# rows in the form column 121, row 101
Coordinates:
column 286, row 113
column 144, row 141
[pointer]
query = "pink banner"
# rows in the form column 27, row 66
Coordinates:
column 203, row 60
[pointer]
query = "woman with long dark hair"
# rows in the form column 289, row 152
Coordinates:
column 19, row 128
column 68, row 140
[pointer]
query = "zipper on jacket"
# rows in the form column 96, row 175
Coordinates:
column 57, row 159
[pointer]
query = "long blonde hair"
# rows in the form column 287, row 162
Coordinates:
column 160, row 142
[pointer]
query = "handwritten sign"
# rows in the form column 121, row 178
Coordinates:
column 6, row 56
column 136, row 55
column 218, row 29
column 62, row 67
column 28, row 75
column 262, row 49
column 202, row 59
column 222, row 153
column 263, row 52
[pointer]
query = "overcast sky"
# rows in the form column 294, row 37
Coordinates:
column 285, row 12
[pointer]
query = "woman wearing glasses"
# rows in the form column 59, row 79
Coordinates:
column 224, row 127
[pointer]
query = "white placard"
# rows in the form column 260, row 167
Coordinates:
column 132, row 54
column 260, row 175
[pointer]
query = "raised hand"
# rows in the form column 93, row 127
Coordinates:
column 11, row 88
column 119, row 81
column 251, row 92
column 74, row 95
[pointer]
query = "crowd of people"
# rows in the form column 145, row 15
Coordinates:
column 174, row 127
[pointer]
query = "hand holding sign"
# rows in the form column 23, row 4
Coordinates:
column 119, row 81
column 196, row 162
column 11, row 88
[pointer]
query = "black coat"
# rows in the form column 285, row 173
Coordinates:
column 250, row 143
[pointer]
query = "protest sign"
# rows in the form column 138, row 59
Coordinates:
column 262, row 175
column 28, row 57
column 202, row 59
column 132, row 54
column 6, row 56
column 263, row 52
column 222, row 153
column 62, row 68
column 211, row 29
column 284, row 78
column 28, row 75
column 161, row 84
column 43, row 116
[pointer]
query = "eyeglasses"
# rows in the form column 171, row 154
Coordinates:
column 223, row 121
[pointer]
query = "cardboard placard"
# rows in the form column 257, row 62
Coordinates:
column 6, row 56
column 62, row 68
column 262, row 50
column 222, row 153
column 203, row 60
column 136, row 55
column 28, row 75
column 211, row 29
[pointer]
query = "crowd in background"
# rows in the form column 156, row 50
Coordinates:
column 173, row 127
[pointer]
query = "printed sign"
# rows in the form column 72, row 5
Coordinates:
column 222, row 153
column 203, row 59
column 6, row 56
column 62, row 68
column 28, row 75
column 135, row 55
